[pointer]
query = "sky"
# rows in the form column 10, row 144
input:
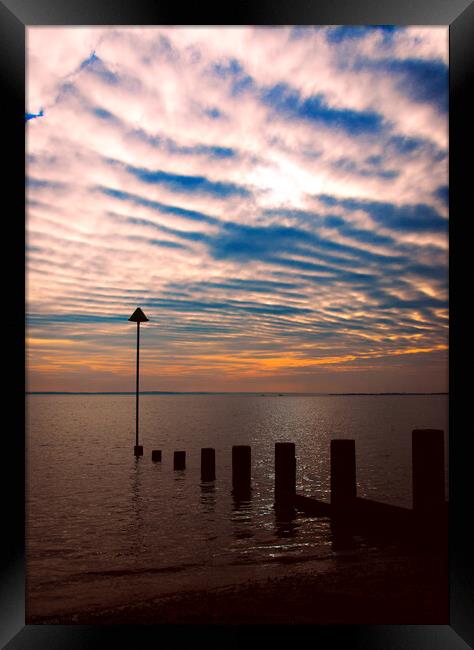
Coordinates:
column 275, row 199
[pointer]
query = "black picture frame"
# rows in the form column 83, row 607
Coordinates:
column 15, row 17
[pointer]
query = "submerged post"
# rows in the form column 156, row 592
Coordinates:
column 208, row 464
column 241, row 468
column 285, row 471
column 428, row 470
column 179, row 460
column 137, row 317
column 343, row 474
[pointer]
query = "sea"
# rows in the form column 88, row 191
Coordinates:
column 105, row 529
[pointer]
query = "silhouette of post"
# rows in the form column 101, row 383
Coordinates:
column 241, row 468
column 179, row 460
column 208, row 464
column 285, row 471
column 343, row 474
column 137, row 317
column 428, row 470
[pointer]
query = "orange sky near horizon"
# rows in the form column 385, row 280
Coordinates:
column 277, row 204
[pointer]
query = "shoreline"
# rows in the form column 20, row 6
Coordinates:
column 395, row 586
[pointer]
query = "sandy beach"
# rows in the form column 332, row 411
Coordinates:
column 386, row 587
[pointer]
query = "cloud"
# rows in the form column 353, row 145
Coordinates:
column 187, row 184
column 415, row 218
column 289, row 103
column 342, row 33
column 422, row 81
column 160, row 207
column 442, row 193
column 274, row 198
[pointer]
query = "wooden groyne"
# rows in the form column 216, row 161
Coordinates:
column 179, row 460
column 429, row 514
column 208, row 464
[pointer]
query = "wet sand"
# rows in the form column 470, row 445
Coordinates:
column 387, row 587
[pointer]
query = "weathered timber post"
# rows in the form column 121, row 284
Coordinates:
column 179, row 460
column 156, row 455
column 343, row 474
column 285, row 471
column 428, row 470
column 208, row 464
column 241, row 472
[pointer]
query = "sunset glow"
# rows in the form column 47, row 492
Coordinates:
column 275, row 199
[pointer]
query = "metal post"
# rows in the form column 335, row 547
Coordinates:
column 138, row 317
column 137, row 392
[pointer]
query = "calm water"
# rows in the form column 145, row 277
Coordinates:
column 105, row 528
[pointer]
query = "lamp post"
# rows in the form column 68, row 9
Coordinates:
column 138, row 317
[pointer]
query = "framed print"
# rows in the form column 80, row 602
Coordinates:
column 237, row 266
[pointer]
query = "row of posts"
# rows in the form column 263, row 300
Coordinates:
column 241, row 464
column 427, row 469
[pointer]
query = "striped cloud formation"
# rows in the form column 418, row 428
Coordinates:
column 275, row 199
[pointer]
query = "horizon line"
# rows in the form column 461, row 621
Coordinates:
column 177, row 392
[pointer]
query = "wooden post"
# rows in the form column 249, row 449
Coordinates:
column 179, row 460
column 428, row 470
column 156, row 455
column 241, row 464
column 208, row 464
column 343, row 474
column 285, row 471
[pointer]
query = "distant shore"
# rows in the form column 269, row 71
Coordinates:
column 388, row 587
column 261, row 393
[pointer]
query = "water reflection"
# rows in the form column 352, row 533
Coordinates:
column 242, row 514
column 241, row 498
column 342, row 538
column 136, row 528
column 179, row 497
column 285, row 520
column 208, row 496
column 158, row 517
